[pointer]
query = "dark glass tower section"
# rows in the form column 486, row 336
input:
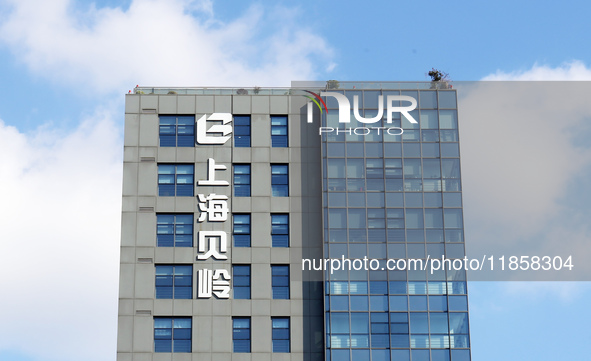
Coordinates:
column 394, row 197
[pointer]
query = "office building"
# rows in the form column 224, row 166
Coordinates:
column 233, row 198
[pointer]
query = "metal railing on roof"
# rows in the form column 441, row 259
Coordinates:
column 329, row 85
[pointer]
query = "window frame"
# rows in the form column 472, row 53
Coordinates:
column 182, row 133
column 242, row 140
column 280, row 180
column 236, row 231
column 379, row 323
column 280, row 237
column 241, row 278
column 277, row 277
column 164, row 180
column 241, row 340
column 173, row 331
column 279, row 336
column 242, row 188
column 174, row 281
column 279, row 140
column 177, row 239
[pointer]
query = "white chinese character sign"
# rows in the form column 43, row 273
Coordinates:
column 205, row 135
column 207, row 245
column 211, row 168
column 213, row 282
column 213, row 208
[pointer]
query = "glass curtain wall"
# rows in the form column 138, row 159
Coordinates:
column 394, row 197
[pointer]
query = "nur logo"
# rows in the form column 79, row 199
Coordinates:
column 345, row 107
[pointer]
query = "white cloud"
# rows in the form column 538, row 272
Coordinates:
column 60, row 216
column 521, row 154
column 61, row 190
column 572, row 71
column 517, row 147
column 156, row 42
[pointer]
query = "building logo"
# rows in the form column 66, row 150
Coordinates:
column 345, row 112
column 217, row 133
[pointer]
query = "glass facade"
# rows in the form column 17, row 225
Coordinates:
column 389, row 196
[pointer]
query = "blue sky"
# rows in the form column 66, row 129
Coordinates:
column 67, row 64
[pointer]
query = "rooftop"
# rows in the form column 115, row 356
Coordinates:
column 318, row 85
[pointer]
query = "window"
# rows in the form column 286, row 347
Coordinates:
column 241, row 334
column 174, row 230
column 174, row 282
column 399, row 330
column 279, row 180
column 279, row 131
column 242, row 130
column 280, row 334
column 175, row 180
column 241, row 230
column 374, row 168
column 177, row 131
column 280, row 281
column 241, row 277
column 280, row 230
column 380, row 337
column 172, row 334
column 242, row 180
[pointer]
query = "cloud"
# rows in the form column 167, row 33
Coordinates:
column 163, row 43
column 61, row 189
column 60, row 216
column 521, row 156
column 518, row 152
column 574, row 70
